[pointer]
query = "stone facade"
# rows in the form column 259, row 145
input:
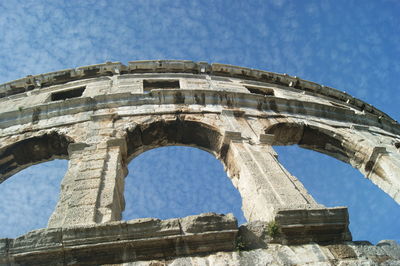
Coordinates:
column 102, row 116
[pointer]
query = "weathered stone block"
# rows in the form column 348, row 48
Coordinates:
column 79, row 214
column 77, row 147
column 83, row 197
column 88, row 174
column 91, row 165
column 41, row 239
column 253, row 235
column 92, row 234
column 150, row 227
column 86, row 184
column 318, row 225
column 365, row 249
column 208, row 222
column 342, row 251
column 391, row 247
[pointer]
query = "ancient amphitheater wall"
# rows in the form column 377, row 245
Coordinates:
column 100, row 117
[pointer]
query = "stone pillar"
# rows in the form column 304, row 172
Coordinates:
column 92, row 189
column 270, row 193
column 383, row 169
column 264, row 184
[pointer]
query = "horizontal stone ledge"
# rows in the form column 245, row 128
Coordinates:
column 114, row 242
column 321, row 225
column 153, row 239
column 311, row 225
column 166, row 97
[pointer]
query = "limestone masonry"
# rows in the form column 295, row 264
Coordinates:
column 100, row 117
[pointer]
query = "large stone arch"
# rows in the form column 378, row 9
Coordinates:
column 33, row 150
column 345, row 144
column 253, row 168
column 242, row 161
column 320, row 139
column 179, row 131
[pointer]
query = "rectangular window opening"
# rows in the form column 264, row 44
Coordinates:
column 67, row 94
column 151, row 84
column 260, row 90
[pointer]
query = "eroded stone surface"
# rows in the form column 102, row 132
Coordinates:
column 118, row 242
column 206, row 239
column 274, row 254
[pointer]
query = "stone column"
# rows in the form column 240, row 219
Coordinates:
column 383, row 169
column 264, row 184
column 92, row 189
column 270, row 193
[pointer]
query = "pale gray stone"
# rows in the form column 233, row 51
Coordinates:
column 208, row 222
column 391, row 247
column 254, row 235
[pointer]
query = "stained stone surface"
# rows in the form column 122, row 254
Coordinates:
column 100, row 117
column 119, row 242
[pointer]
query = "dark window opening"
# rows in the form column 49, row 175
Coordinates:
column 260, row 90
column 63, row 95
column 149, row 84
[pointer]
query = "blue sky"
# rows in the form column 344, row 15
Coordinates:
column 349, row 45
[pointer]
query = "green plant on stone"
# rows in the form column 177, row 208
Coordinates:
column 273, row 229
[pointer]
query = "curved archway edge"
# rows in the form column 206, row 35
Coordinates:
column 362, row 149
column 33, row 150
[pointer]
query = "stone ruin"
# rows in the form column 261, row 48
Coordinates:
column 102, row 116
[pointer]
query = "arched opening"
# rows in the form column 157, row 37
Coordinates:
column 177, row 181
column 29, row 197
column 173, row 132
column 194, row 183
column 18, row 156
column 310, row 137
column 373, row 214
column 35, row 184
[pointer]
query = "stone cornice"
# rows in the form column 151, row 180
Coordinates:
column 165, row 97
column 181, row 66
column 256, row 102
